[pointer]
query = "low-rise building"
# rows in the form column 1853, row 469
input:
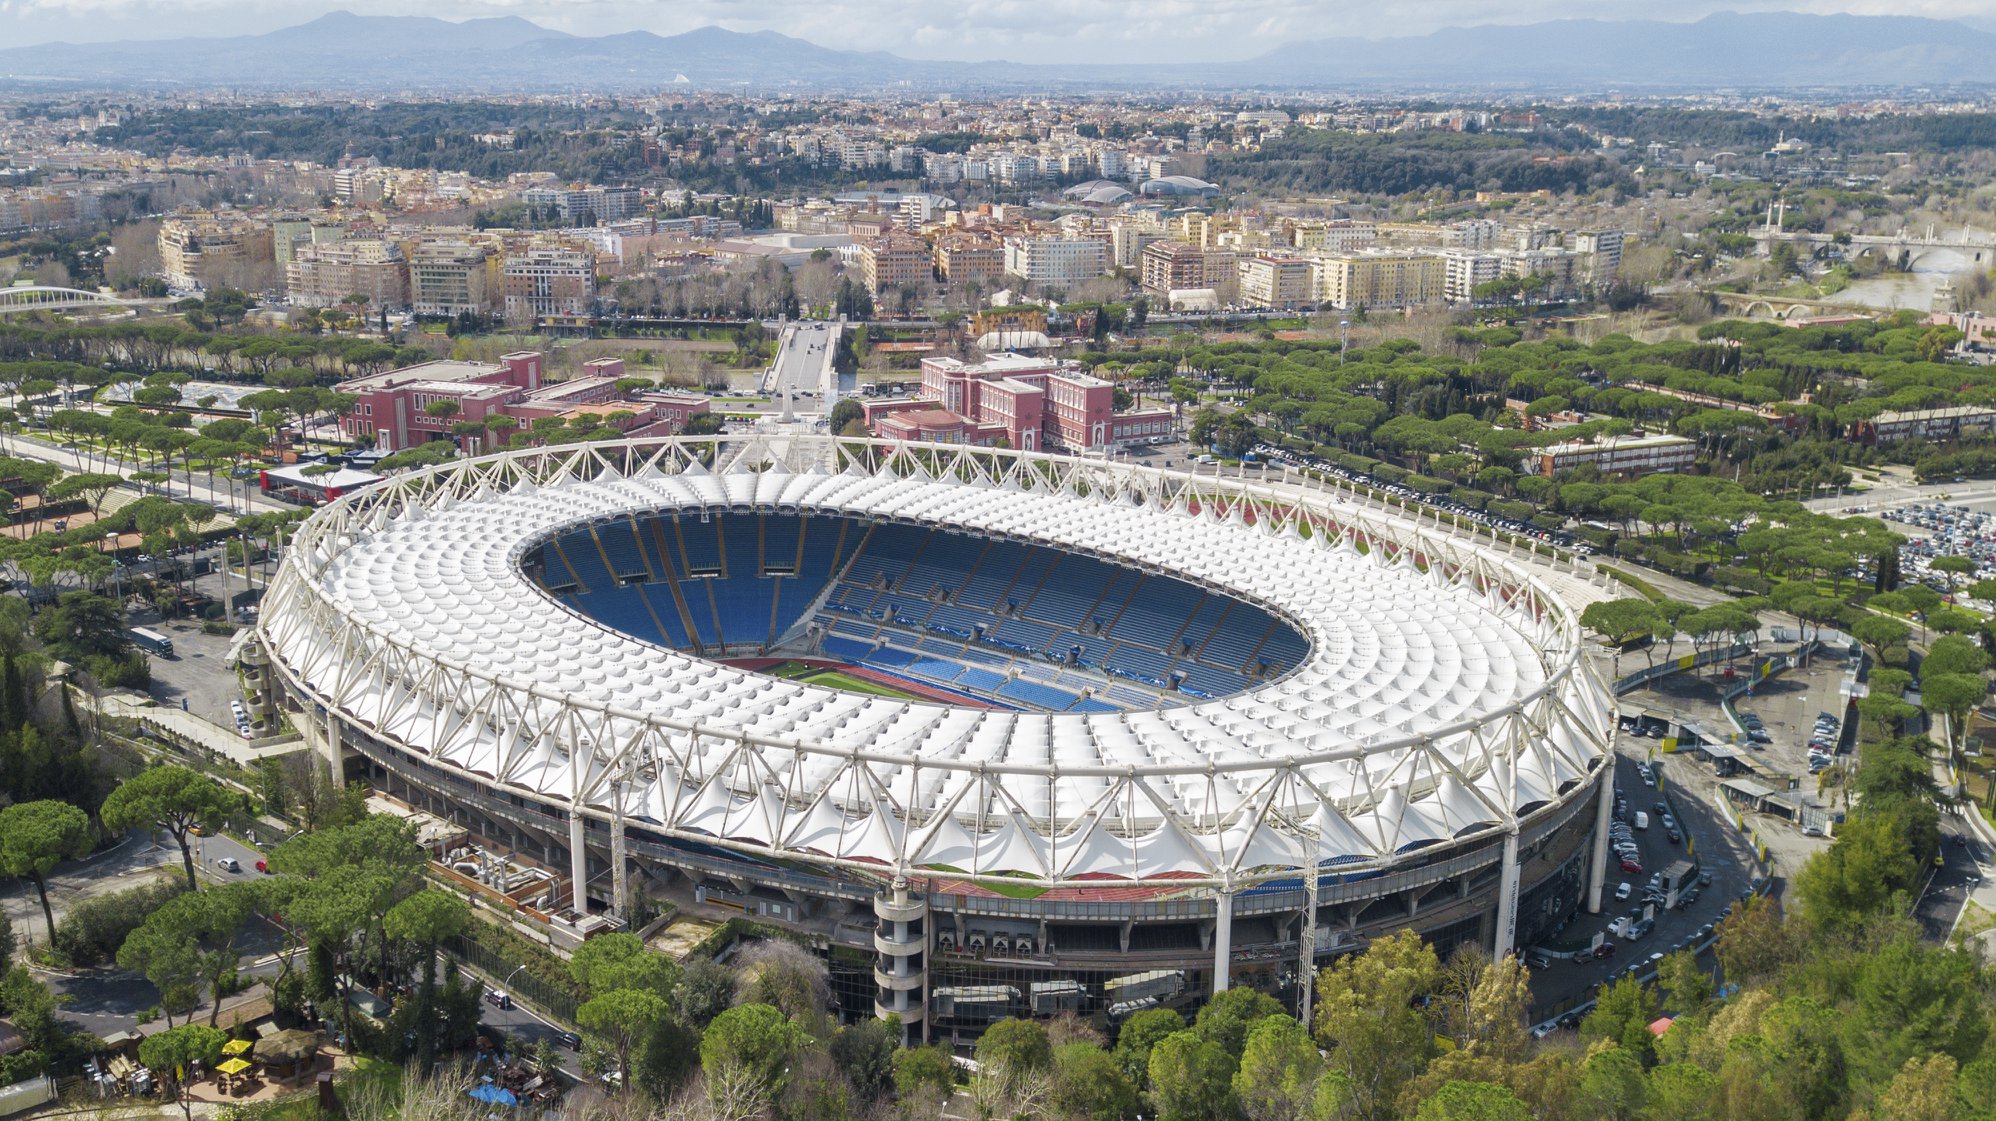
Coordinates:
column 1029, row 403
column 1939, row 425
column 1628, row 457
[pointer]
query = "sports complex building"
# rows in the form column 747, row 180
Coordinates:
column 1003, row 733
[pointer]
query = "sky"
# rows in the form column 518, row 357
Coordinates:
column 1027, row 30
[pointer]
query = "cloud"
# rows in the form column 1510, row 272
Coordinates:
column 1161, row 31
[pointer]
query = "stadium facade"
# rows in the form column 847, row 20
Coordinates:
column 1097, row 723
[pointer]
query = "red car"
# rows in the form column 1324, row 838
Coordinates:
column 263, row 866
column 1632, row 868
column 1605, row 950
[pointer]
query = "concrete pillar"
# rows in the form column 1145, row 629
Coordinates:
column 578, row 861
column 1604, row 814
column 1507, row 899
column 1223, row 940
column 620, row 900
column 331, row 746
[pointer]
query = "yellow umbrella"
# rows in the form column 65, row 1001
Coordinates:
column 233, row 1066
column 237, row 1047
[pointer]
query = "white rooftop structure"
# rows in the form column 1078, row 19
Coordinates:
column 1443, row 697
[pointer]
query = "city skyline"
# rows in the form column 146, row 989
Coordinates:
column 1089, row 30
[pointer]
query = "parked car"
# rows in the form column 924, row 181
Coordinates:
column 1605, row 950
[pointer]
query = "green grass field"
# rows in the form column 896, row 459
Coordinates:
column 833, row 679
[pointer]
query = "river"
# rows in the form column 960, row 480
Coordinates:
column 1914, row 289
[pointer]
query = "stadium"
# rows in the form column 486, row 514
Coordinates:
column 1000, row 733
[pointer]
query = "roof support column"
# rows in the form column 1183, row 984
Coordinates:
column 1604, row 814
column 578, row 858
column 1507, row 899
column 1223, row 939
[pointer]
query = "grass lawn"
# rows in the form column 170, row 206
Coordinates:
column 833, row 679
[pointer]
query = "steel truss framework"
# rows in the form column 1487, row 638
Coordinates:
column 1216, row 815
column 35, row 297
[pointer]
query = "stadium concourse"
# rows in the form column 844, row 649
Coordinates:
column 1028, row 733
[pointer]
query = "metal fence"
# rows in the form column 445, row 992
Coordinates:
column 514, row 978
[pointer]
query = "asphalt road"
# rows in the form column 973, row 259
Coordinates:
column 802, row 366
column 1944, row 894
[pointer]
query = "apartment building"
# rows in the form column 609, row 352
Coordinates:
column 1627, row 457
column 548, row 281
column 1336, row 235
column 1464, row 269
column 455, row 277
column 1056, row 260
column 1172, row 266
column 326, row 275
column 1380, row 279
column 403, row 408
column 969, row 257
column 586, row 206
column 895, row 259
column 1278, row 282
column 1602, row 250
column 201, row 250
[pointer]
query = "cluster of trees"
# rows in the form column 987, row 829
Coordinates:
column 1314, row 161
column 600, row 144
column 92, row 355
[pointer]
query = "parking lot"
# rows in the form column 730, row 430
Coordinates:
column 195, row 674
column 1705, row 837
column 1788, row 707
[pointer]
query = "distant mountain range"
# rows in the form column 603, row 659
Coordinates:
column 343, row 51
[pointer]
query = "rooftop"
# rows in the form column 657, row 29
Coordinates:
column 442, row 370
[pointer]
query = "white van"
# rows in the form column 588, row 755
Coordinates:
column 1642, row 820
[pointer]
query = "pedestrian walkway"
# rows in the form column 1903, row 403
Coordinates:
column 190, row 730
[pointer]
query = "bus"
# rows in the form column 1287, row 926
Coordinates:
column 151, row 642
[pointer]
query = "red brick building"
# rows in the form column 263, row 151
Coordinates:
column 1030, row 403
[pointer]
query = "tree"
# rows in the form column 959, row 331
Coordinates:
column 176, row 797
column 1370, row 1021
column 1954, row 696
column 1231, row 1015
column 1087, row 1083
column 1192, row 1079
column 168, row 958
column 864, row 1054
column 427, row 919
column 1013, row 1047
column 1620, row 621
column 755, row 1040
column 175, row 1050
column 609, row 962
column 920, row 1071
column 620, row 1018
column 1277, row 1079
column 1139, row 1034
column 37, row 836
column 1685, row 980
column 1921, row 1091
column 1622, row 1015
column 1473, row 1101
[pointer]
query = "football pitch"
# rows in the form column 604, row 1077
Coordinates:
column 833, row 679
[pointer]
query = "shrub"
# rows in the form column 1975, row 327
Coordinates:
column 92, row 931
